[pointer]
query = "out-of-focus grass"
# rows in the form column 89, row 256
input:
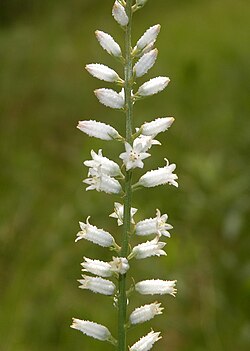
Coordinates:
column 44, row 91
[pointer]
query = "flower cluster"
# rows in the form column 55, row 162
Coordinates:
column 105, row 175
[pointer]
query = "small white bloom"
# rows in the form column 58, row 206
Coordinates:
column 107, row 166
column 108, row 43
column 98, row 130
column 145, row 63
column 110, row 98
column 96, row 331
column 157, row 126
column 95, row 235
column 119, row 14
column 148, row 249
column 118, row 213
column 156, row 286
column 153, row 86
column 155, row 225
column 149, row 37
column 146, row 342
column 133, row 156
column 102, row 182
column 119, row 265
column 102, row 72
column 145, row 313
column 160, row 176
column 146, row 142
column 97, row 285
column 100, row 268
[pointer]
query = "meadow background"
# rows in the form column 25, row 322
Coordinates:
column 44, row 90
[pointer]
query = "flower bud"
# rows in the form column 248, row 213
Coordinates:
column 146, row 342
column 145, row 313
column 110, row 98
column 100, row 268
column 156, row 286
column 97, row 285
column 153, row 86
column 160, row 176
column 145, row 63
column 148, row 249
column 108, row 43
column 119, row 14
column 95, row 235
column 102, row 72
column 148, row 37
column 98, row 130
column 96, row 331
column 157, row 126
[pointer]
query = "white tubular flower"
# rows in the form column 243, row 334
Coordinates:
column 146, row 142
column 95, row 235
column 157, row 126
column 97, row 285
column 98, row 130
column 110, row 98
column 133, row 156
column 107, row 166
column 96, row 331
column 103, row 72
column 145, row 63
column 118, row 213
column 119, row 14
column 145, row 313
column 148, row 38
column 155, row 225
column 146, row 342
column 148, row 249
column 156, row 286
column 102, row 182
column 160, row 176
column 100, row 268
column 119, row 265
column 108, row 43
column 153, row 86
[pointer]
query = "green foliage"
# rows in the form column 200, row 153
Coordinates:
column 204, row 47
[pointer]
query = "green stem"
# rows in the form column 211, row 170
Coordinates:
column 128, row 72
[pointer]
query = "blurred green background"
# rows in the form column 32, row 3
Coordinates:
column 204, row 48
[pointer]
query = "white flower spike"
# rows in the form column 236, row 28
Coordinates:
column 153, row 86
column 156, row 286
column 103, row 72
column 157, row 126
column 110, row 98
column 96, row 331
column 146, row 342
column 118, row 213
column 107, row 166
column 155, row 225
column 95, row 235
column 148, row 38
column 145, row 63
column 96, row 267
column 98, row 130
column 119, row 14
column 108, row 43
column 133, row 156
column 97, row 285
column 148, row 249
column 145, row 313
column 160, row 176
column 101, row 182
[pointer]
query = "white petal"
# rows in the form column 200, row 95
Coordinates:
column 145, row 63
column 107, row 166
column 119, row 265
column 95, row 235
column 108, row 43
column 100, row 268
column 109, row 98
column 98, row 130
column 146, row 342
column 97, row 285
column 148, row 37
column 156, row 286
column 102, row 72
column 119, row 14
column 145, row 313
column 148, row 249
column 153, row 86
column 157, row 126
column 92, row 329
